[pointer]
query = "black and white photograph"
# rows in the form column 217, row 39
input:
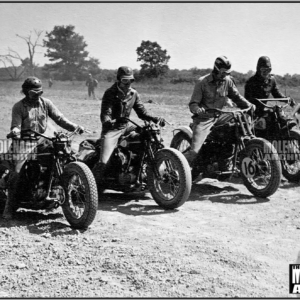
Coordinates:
column 149, row 149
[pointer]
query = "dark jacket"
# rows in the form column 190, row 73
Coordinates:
column 257, row 87
column 115, row 105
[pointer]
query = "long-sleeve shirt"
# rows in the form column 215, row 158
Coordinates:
column 210, row 94
column 116, row 104
column 28, row 115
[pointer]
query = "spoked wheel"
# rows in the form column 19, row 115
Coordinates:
column 181, row 141
column 81, row 197
column 173, row 185
column 260, row 168
column 291, row 162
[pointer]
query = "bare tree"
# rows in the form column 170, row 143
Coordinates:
column 32, row 45
column 26, row 64
column 8, row 60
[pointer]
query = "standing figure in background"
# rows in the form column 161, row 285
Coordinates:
column 50, row 82
column 91, row 83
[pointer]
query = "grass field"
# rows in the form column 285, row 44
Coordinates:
column 72, row 100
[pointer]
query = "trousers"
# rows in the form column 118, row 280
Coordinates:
column 201, row 129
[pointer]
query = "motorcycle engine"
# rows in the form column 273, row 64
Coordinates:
column 36, row 175
column 123, row 166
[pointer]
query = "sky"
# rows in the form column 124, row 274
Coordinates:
column 193, row 34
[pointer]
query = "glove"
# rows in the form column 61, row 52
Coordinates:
column 292, row 102
column 80, row 129
column 160, row 121
column 200, row 110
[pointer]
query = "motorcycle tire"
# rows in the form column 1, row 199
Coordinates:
column 81, row 200
column 287, row 165
column 181, row 141
column 174, row 187
column 254, row 166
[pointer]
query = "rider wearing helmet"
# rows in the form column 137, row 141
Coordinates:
column 32, row 112
column 263, row 83
column 117, row 103
column 211, row 91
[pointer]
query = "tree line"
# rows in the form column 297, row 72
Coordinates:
column 69, row 60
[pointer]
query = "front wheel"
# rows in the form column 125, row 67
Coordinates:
column 173, row 185
column 81, row 197
column 291, row 160
column 260, row 168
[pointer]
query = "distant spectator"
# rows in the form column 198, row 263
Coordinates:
column 50, row 82
column 91, row 83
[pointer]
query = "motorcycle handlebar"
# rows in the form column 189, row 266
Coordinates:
column 273, row 99
column 217, row 110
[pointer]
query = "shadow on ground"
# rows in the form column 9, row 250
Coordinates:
column 213, row 193
column 135, row 204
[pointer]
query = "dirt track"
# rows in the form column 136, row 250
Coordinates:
column 223, row 242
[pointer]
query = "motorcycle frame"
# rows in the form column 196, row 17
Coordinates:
column 58, row 159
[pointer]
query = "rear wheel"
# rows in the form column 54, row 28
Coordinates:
column 173, row 186
column 291, row 162
column 260, row 168
column 81, row 197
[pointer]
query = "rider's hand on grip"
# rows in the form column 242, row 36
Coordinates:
column 200, row 110
column 160, row 121
column 14, row 133
column 292, row 102
column 80, row 129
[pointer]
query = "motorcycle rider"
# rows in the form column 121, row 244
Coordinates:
column 211, row 91
column 32, row 112
column 117, row 103
column 262, row 84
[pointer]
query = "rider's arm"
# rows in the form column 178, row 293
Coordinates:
column 140, row 109
column 16, row 119
column 106, row 109
column 58, row 117
column 196, row 98
column 236, row 97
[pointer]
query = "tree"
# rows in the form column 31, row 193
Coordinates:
column 27, row 65
column 154, row 60
column 66, row 49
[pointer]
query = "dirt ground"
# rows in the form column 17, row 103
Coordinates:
column 223, row 242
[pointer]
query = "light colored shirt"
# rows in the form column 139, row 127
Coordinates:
column 27, row 115
column 209, row 94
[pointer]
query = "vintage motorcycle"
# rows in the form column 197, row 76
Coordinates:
column 232, row 149
column 141, row 161
column 273, row 125
column 50, row 177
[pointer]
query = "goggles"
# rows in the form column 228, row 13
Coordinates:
column 126, row 81
column 266, row 70
column 35, row 93
column 223, row 71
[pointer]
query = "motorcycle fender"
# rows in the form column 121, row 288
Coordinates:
column 186, row 129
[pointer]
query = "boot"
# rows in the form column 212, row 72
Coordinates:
column 98, row 172
column 11, row 205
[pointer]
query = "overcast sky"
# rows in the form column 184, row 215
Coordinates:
column 194, row 34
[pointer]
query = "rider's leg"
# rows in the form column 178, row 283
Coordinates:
column 201, row 129
column 107, row 142
column 11, row 202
